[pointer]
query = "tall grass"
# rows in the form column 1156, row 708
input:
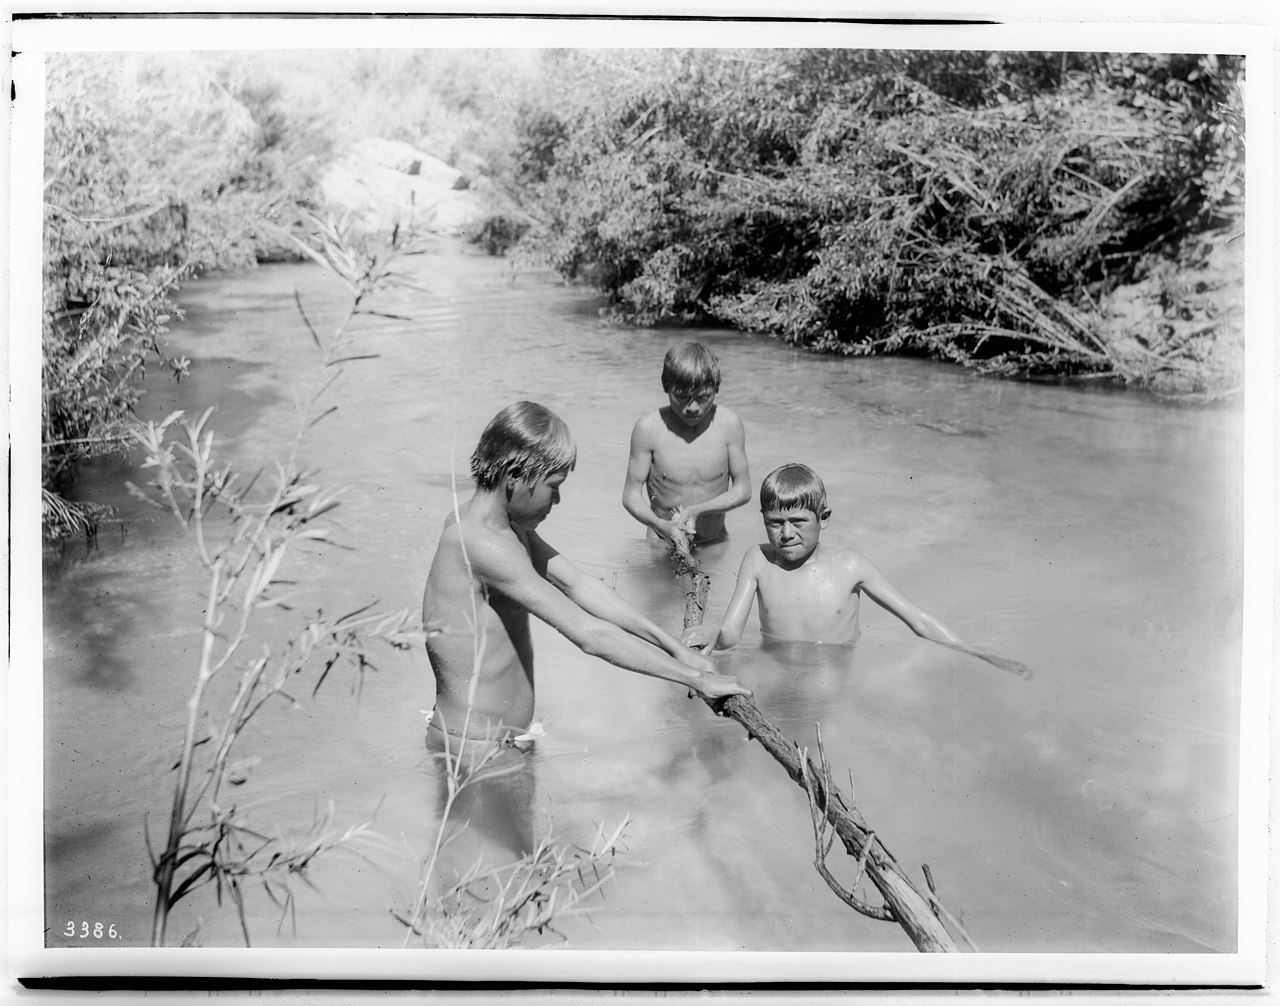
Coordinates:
column 244, row 530
column 489, row 906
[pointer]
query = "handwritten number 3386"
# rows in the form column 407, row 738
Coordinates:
column 97, row 932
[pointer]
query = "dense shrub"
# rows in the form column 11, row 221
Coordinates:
column 983, row 207
column 154, row 169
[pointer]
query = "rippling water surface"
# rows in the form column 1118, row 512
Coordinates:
column 1092, row 535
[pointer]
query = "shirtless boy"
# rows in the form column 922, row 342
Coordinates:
column 688, row 461
column 492, row 570
column 808, row 593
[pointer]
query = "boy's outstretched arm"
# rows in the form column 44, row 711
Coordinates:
column 877, row 587
column 597, row 598
column 726, row 635
column 521, row 577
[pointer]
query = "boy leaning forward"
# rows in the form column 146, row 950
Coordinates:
column 492, row 570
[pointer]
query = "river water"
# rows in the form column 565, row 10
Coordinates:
column 1093, row 535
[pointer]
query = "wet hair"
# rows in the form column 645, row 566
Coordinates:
column 690, row 367
column 525, row 440
column 794, row 487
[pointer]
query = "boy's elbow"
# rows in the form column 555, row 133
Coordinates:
column 594, row 639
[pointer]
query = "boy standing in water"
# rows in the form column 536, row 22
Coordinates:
column 492, row 570
column 808, row 593
column 688, row 462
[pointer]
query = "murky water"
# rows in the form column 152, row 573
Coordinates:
column 1094, row 536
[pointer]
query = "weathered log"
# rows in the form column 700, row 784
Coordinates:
column 693, row 581
column 909, row 908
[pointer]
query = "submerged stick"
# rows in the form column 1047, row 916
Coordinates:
column 909, row 908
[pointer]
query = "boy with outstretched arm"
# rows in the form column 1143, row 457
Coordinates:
column 809, row 593
column 492, row 569
column 688, row 461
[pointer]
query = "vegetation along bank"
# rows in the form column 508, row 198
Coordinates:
column 1042, row 215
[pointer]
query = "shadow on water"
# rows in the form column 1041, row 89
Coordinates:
column 496, row 809
column 88, row 618
column 237, row 394
column 234, row 389
column 80, row 839
column 798, row 687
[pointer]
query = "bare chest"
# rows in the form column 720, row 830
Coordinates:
column 703, row 460
column 807, row 604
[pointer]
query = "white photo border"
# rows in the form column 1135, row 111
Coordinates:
column 35, row 36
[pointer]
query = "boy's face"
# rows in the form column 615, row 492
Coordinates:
column 692, row 405
column 794, row 534
column 531, row 501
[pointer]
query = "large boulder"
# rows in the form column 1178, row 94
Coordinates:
column 383, row 183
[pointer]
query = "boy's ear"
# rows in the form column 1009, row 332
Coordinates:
column 826, row 516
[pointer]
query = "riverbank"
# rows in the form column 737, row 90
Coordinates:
column 1177, row 330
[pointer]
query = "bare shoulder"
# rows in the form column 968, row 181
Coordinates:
column 647, row 427
column 854, row 563
column 486, row 551
column 756, row 557
column 728, row 418
column 762, row 558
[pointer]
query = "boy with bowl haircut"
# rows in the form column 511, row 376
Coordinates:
column 688, row 460
column 491, row 570
column 810, row 594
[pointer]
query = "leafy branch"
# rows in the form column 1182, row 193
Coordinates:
column 244, row 530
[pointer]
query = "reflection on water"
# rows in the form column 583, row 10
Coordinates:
column 493, row 790
column 1093, row 536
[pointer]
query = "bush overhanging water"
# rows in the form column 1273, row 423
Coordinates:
column 1022, row 213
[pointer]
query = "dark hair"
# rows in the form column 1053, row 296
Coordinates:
column 524, row 439
column 690, row 367
column 794, row 487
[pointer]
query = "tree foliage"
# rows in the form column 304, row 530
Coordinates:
column 154, row 170
column 984, row 207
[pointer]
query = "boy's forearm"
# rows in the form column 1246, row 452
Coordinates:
column 637, row 504
column 928, row 627
column 723, row 503
column 632, row 653
column 597, row 598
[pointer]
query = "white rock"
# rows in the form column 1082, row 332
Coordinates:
column 383, row 183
